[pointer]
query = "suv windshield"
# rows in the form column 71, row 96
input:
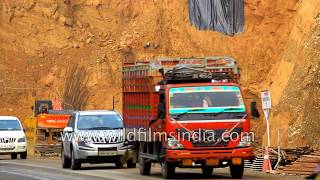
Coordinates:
column 208, row 99
column 99, row 122
column 10, row 125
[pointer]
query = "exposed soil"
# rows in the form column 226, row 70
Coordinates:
column 41, row 41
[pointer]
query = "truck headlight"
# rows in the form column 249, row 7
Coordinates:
column 23, row 139
column 173, row 143
column 245, row 141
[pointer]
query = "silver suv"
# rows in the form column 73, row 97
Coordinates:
column 94, row 137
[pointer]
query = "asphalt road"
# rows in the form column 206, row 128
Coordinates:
column 50, row 169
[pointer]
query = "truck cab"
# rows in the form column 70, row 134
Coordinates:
column 207, row 126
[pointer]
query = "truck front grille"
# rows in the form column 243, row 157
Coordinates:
column 210, row 144
column 7, row 140
column 212, row 139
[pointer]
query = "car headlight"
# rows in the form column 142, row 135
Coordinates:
column 245, row 141
column 84, row 140
column 23, row 139
column 173, row 143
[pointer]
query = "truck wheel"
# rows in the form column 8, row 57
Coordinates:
column 130, row 164
column 14, row 156
column 119, row 164
column 167, row 170
column 207, row 171
column 23, row 155
column 66, row 162
column 75, row 163
column 237, row 171
column 145, row 167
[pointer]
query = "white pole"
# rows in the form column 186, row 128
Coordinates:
column 279, row 155
column 279, row 141
column 268, row 127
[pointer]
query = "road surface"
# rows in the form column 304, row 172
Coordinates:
column 50, row 169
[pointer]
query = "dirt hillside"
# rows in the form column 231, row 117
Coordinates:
column 49, row 47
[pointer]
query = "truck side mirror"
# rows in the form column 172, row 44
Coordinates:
column 161, row 71
column 254, row 110
column 161, row 110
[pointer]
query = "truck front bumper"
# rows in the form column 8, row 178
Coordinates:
column 221, row 154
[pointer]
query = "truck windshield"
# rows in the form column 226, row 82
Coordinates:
column 99, row 122
column 208, row 99
column 10, row 125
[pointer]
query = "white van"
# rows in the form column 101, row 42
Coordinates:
column 12, row 137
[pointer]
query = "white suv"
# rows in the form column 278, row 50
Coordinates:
column 12, row 137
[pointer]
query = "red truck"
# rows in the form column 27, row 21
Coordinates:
column 186, row 112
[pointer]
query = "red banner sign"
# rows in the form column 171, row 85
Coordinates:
column 53, row 120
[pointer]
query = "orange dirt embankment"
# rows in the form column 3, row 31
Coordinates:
column 40, row 41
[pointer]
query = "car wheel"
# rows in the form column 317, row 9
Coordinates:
column 167, row 170
column 236, row 171
column 14, row 156
column 207, row 171
column 130, row 164
column 119, row 164
column 66, row 162
column 75, row 163
column 23, row 155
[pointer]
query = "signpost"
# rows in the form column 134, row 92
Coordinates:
column 266, row 106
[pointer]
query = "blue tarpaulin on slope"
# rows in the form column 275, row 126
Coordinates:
column 225, row 16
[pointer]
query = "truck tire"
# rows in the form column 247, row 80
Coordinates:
column 237, row 171
column 23, row 155
column 167, row 170
column 207, row 171
column 145, row 167
column 14, row 156
column 66, row 162
column 75, row 163
column 119, row 164
column 131, row 164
